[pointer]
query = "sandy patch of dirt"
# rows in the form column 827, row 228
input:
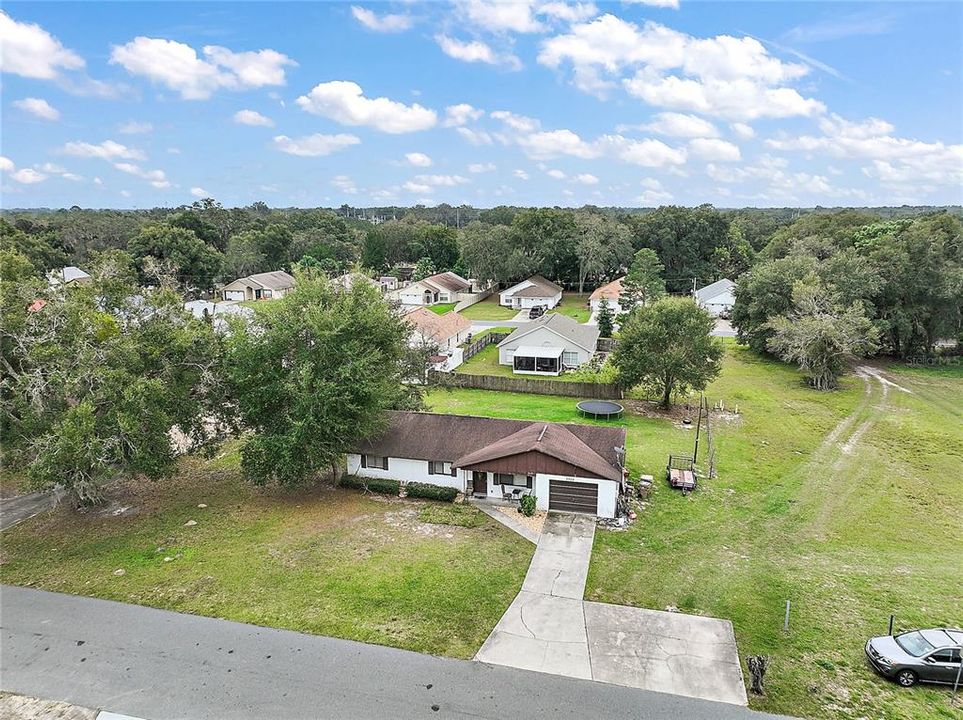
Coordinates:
column 535, row 523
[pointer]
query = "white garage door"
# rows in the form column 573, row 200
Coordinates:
column 237, row 295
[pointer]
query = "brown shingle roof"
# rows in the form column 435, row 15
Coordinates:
column 541, row 287
column 611, row 291
column 468, row 439
column 439, row 327
column 449, row 281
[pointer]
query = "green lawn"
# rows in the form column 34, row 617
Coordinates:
column 441, row 308
column 845, row 503
column 326, row 561
column 575, row 305
column 486, row 363
column 488, row 309
column 489, row 331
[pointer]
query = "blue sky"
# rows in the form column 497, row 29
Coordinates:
column 528, row 103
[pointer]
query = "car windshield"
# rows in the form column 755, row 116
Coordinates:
column 914, row 643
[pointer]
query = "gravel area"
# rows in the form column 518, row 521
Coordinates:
column 533, row 523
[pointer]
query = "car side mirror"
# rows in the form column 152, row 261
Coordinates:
column 929, row 659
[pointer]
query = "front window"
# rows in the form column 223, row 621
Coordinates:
column 914, row 643
column 438, row 467
column 570, row 358
column 374, row 461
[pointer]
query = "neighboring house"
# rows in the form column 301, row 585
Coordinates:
column 611, row 292
column 262, row 286
column 536, row 290
column 573, row 468
column 388, row 283
column 216, row 312
column 67, row 275
column 348, row 280
column 718, row 298
column 446, row 287
column 446, row 331
column 548, row 345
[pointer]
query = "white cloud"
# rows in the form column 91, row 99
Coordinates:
column 53, row 169
column 647, row 153
column 550, row 144
column 569, row 12
column 475, row 51
column 502, row 15
column 520, row 123
column 199, row 192
column 157, row 178
column 386, row 23
column 556, row 174
column 585, row 179
column 723, row 76
column 461, row 114
column 681, row 125
column 418, row 159
column 481, row 167
column 26, row 49
column 521, row 174
column 344, row 102
column 178, row 67
column 27, row 176
column 713, row 149
column 743, row 131
column 107, row 150
column 6, row 164
column 38, row 108
column 134, row 127
column 252, row 117
column 314, row 145
column 417, row 188
column 345, row 184
column 475, row 137
column 441, row 180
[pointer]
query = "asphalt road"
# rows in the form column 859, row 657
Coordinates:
column 157, row 664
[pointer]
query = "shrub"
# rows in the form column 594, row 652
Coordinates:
column 385, row 486
column 526, row 505
column 431, row 492
column 460, row 515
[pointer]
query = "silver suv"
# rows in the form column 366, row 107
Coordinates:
column 918, row 656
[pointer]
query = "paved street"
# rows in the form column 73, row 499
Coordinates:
column 157, row 664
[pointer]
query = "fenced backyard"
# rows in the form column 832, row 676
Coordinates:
column 489, row 338
column 596, row 391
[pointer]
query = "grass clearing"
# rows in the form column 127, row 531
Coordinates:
column 441, row 308
column 324, row 560
column 845, row 503
column 575, row 305
column 488, row 309
column 486, row 363
column 451, row 514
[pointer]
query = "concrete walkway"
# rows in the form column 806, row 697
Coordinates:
column 549, row 628
column 157, row 664
column 490, row 510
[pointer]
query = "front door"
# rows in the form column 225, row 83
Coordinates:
column 479, row 483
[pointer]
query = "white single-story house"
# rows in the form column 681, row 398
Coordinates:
column 447, row 331
column 261, row 286
column 568, row 467
column 612, row 292
column 388, row 283
column 217, row 312
column 67, row 275
column 530, row 293
column 718, row 298
column 444, row 287
column 548, row 345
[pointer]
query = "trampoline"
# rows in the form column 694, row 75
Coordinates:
column 600, row 409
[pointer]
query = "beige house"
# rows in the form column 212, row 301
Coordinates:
column 548, row 346
column 611, row 292
column 446, row 331
column 262, row 286
column 443, row 287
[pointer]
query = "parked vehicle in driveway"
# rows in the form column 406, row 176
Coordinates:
column 917, row 656
column 536, row 312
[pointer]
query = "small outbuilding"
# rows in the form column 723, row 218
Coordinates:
column 717, row 298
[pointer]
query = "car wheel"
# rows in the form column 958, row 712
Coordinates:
column 906, row 678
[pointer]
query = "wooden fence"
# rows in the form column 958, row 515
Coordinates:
column 481, row 343
column 595, row 391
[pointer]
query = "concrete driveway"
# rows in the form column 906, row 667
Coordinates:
column 549, row 628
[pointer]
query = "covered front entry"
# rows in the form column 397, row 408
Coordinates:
column 479, row 483
column 571, row 496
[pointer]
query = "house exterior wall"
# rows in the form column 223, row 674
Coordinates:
column 406, row 470
column 608, row 490
column 543, row 337
column 526, row 303
column 614, row 304
column 412, row 295
column 417, row 338
column 720, row 303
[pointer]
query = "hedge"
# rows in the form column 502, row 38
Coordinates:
column 385, row 486
column 431, row 492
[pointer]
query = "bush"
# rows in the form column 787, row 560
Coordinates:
column 385, row 486
column 526, row 505
column 431, row 492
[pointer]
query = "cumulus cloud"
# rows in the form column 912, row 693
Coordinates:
column 199, row 192
column 345, row 184
column 107, row 150
column 418, row 159
column 475, row 51
column 713, row 149
column 681, row 125
column 517, row 16
column 344, row 102
column 461, row 114
column 521, row 174
column 387, row 23
column 585, row 179
column 475, row 137
column 646, row 153
column 569, row 12
column 481, row 167
column 136, row 128
column 38, row 108
column 157, row 178
column 26, row 49
column 556, row 174
column 27, row 176
column 314, row 145
column 743, row 131
column 6, row 164
column 177, row 66
column 252, row 117
column 721, row 76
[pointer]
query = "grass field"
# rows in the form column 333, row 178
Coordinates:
column 575, row 305
column 441, row 308
column 325, row 561
column 486, row 363
column 488, row 309
column 845, row 503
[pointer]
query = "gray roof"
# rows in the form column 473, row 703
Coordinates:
column 585, row 336
column 468, row 439
column 710, row 291
column 275, row 280
column 68, row 274
column 448, row 281
column 540, row 287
